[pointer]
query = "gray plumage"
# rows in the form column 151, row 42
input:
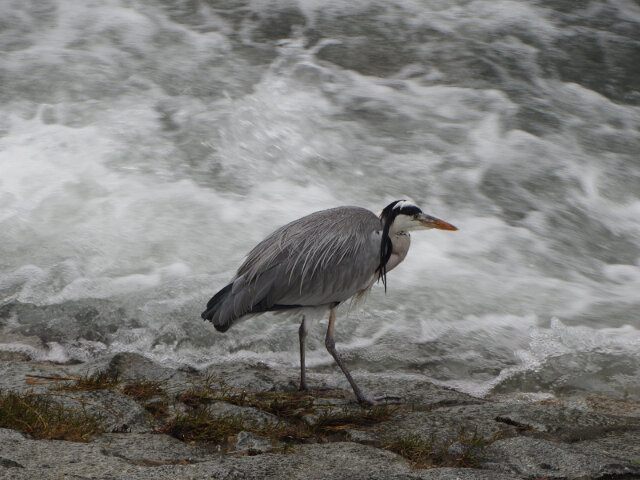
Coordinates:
column 319, row 260
column 315, row 260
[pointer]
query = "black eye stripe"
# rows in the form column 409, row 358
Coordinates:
column 399, row 207
column 409, row 210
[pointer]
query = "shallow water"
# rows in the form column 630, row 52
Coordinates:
column 146, row 146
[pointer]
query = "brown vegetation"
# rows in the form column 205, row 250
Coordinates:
column 42, row 418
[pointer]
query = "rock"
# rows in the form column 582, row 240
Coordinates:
column 460, row 449
column 458, row 474
column 150, row 449
column 119, row 413
column 6, row 463
column 624, row 446
column 249, row 414
column 9, row 356
column 137, row 456
column 255, row 377
column 251, row 443
column 562, row 423
column 536, row 458
column 134, row 367
column 491, row 421
column 419, row 394
column 23, row 377
column 443, row 426
column 507, row 440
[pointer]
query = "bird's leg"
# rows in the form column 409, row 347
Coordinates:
column 331, row 347
column 302, row 334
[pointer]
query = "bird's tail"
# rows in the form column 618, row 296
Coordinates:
column 215, row 310
column 239, row 300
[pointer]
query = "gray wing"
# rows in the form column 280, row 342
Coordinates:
column 323, row 258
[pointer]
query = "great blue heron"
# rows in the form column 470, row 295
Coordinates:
column 319, row 261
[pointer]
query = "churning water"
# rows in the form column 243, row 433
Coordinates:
column 147, row 145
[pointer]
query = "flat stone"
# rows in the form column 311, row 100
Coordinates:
column 150, row 449
column 134, row 367
column 119, row 412
column 623, row 446
column 492, row 421
column 537, row 458
column 6, row 463
column 22, row 377
column 147, row 456
column 253, row 377
column 458, row 474
column 417, row 394
column 250, row 414
column 252, row 443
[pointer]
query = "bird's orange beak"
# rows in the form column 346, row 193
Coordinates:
column 432, row 222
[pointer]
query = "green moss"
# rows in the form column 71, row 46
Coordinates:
column 40, row 417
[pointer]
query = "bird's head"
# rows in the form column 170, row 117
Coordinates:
column 402, row 216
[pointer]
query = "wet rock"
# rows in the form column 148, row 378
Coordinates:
column 535, row 458
column 94, row 320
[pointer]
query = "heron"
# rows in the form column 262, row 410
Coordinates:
column 316, row 263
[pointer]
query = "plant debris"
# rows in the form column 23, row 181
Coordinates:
column 100, row 380
column 42, row 418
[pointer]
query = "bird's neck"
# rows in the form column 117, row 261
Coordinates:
column 400, row 243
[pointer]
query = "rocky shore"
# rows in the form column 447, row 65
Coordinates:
column 133, row 419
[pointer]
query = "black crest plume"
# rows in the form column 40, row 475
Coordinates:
column 386, row 217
